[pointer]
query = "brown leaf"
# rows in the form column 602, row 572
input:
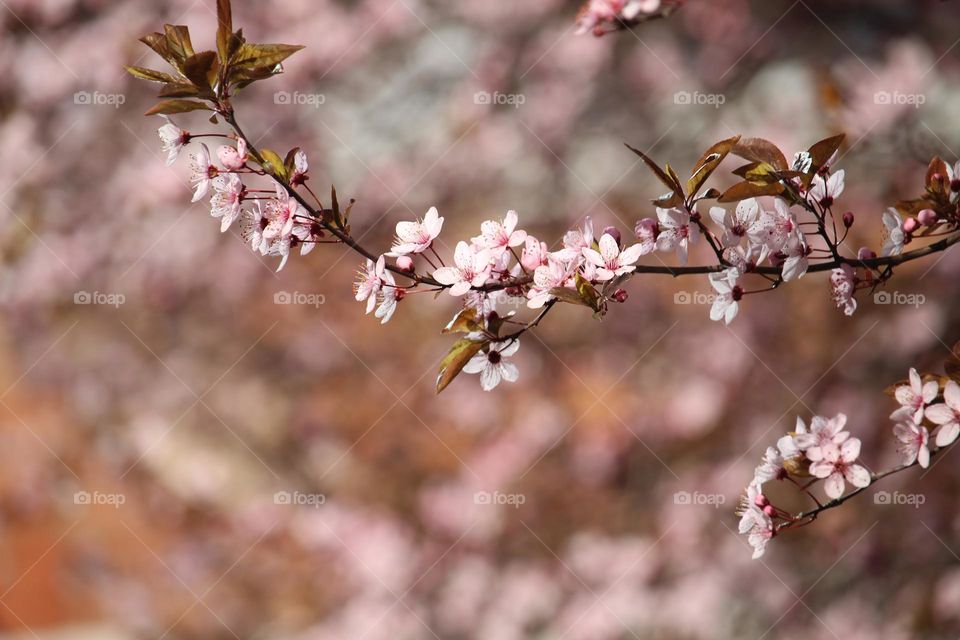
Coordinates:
column 149, row 74
column 821, row 152
column 178, row 43
column 762, row 151
column 201, row 70
column 673, row 185
column 456, row 359
column 252, row 56
column 464, row 322
column 744, row 190
column 709, row 162
column 176, row 106
column 952, row 364
column 224, row 30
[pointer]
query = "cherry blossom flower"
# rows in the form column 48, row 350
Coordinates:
column 203, row 174
column 233, row 158
column 390, row 295
column 575, row 241
column 745, row 259
column 281, row 214
column 913, row 397
column 172, row 139
column 500, row 236
column 472, row 269
column 369, row 282
column 914, row 443
column 227, row 199
column 824, row 432
column 771, row 468
column 894, row 236
column 792, row 445
column 545, row 278
column 825, row 190
column 755, row 522
column 610, row 260
column 726, row 304
column 796, row 251
column 492, row 365
column 534, row 254
column 843, row 285
column 647, row 231
column 772, row 229
column 417, row 236
column 736, row 223
column 300, row 168
column 252, row 223
column 946, row 414
column 835, row 464
column 676, row 232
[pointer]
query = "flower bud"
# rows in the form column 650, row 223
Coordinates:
column 405, row 263
column 400, row 293
column 866, row 253
column 621, row 295
column 761, row 500
column 927, row 217
column 848, row 219
column 770, row 510
column 613, row 231
column 910, row 225
column 955, row 185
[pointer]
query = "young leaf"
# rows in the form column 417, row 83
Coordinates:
column 673, row 185
column 176, row 106
column 252, row 56
column 158, row 42
column 178, row 90
column 761, row 151
column 201, row 70
column 456, row 359
column 709, row 162
column 464, row 322
column 224, row 30
column 744, row 190
column 821, row 152
column 149, row 74
column 272, row 163
column 588, row 293
column 178, row 43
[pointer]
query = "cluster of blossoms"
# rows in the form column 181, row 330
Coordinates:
column 825, row 451
column 602, row 16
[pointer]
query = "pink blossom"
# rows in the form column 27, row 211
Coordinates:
column 791, row 445
column 836, row 464
column 946, row 414
column 771, row 468
column 300, row 168
column 796, row 251
column 843, row 285
column 492, row 366
column 676, row 232
column 534, row 254
column 736, row 223
column 610, row 260
column 172, row 139
column 227, row 199
column 913, row 397
column 914, row 443
column 546, row 277
column 233, row 159
column 773, row 229
column 823, row 432
column 755, row 522
column 825, row 190
column 893, row 235
column 597, row 12
column 390, row 295
column 499, row 236
column 203, row 172
column 417, row 236
column 281, row 215
column 575, row 241
column 472, row 269
column 252, row 223
column 726, row 304
column 369, row 282
column 647, row 231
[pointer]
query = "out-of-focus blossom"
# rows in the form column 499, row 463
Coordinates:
column 946, row 414
column 172, row 139
column 843, row 286
column 894, row 237
column 914, row 443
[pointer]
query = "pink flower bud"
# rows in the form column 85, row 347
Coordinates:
column 761, row 500
column 405, row 263
column 621, row 295
column 770, row 510
column 927, row 217
column 910, row 225
column 400, row 293
column 848, row 219
column 613, row 231
column 866, row 253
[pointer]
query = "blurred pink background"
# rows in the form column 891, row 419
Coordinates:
column 187, row 406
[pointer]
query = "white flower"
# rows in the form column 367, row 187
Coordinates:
column 755, row 523
column 370, row 282
column 796, row 251
column 251, row 227
column 946, row 414
column 226, row 202
column 610, row 260
column 914, row 397
column 499, row 236
column 390, row 295
column 843, row 285
column 472, row 269
column 300, row 168
column 172, row 139
column 676, row 232
column 417, row 236
column 823, row 432
column 836, row 464
column 736, row 223
column 790, row 444
column 231, row 158
column 914, row 443
column 726, row 304
column 825, row 191
column 203, row 172
column 771, row 468
column 894, row 237
column 545, row 278
column 492, row 366
column 575, row 241
column 772, row 229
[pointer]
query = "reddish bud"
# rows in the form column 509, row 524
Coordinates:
column 405, row 263
column 910, row 225
column 613, row 231
column 866, row 253
column 848, row 219
column 927, row 217
column 770, row 511
column 621, row 295
column 400, row 293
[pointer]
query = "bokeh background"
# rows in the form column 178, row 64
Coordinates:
column 199, row 398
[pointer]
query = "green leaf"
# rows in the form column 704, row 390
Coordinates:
column 273, row 163
column 744, row 190
column 252, row 56
column 456, row 359
column 149, row 74
column 673, row 185
column 758, row 150
column 176, row 106
column 588, row 293
column 709, row 162
column 224, row 30
column 464, row 322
